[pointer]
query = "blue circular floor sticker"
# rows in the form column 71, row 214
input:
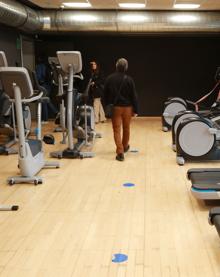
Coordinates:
column 119, row 258
column 128, row 185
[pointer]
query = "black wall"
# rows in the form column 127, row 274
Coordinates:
column 161, row 66
column 9, row 43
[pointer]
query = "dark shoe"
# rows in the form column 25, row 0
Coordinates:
column 126, row 148
column 120, row 157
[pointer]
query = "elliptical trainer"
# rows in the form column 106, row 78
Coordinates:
column 71, row 64
column 174, row 105
column 213, row 114
column 197, row 139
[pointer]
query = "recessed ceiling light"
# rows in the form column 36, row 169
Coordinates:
column 186, row 6
column 132, row 5
column 77, row 4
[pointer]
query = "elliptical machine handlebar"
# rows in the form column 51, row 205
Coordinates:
column 85, row 95
column 196, row 104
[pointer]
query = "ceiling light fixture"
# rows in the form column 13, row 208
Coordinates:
column 133, row 18
column 184, row 18
column 84, row 18
column 77, row 4
column 132, row 5
column 186, row 6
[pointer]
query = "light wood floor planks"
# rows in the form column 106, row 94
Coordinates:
column 82, row 215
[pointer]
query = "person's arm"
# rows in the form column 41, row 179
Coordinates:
column 99, row 81
column 106, row 93
column 134, row 97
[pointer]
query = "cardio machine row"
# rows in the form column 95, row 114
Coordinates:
column 17, row 85
column 196, row 136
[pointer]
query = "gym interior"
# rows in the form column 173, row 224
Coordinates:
column 68, row 206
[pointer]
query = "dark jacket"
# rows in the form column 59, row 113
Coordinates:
column 96, row 91
column 124, row 97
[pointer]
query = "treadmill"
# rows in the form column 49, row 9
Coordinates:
column 205, row 183
column 214, row 218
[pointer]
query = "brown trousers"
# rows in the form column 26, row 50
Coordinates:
column 121, row 117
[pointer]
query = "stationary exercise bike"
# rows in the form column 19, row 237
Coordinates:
column 7, row 118
column 17, row 84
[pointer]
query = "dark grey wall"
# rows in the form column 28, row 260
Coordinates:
column 161, row 66
column 8, row 44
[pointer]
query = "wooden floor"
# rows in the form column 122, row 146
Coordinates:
column 82, row 215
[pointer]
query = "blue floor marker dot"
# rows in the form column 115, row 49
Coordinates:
column 119, row 258
column 128, row 185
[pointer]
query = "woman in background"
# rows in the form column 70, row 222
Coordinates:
column 96, row 91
